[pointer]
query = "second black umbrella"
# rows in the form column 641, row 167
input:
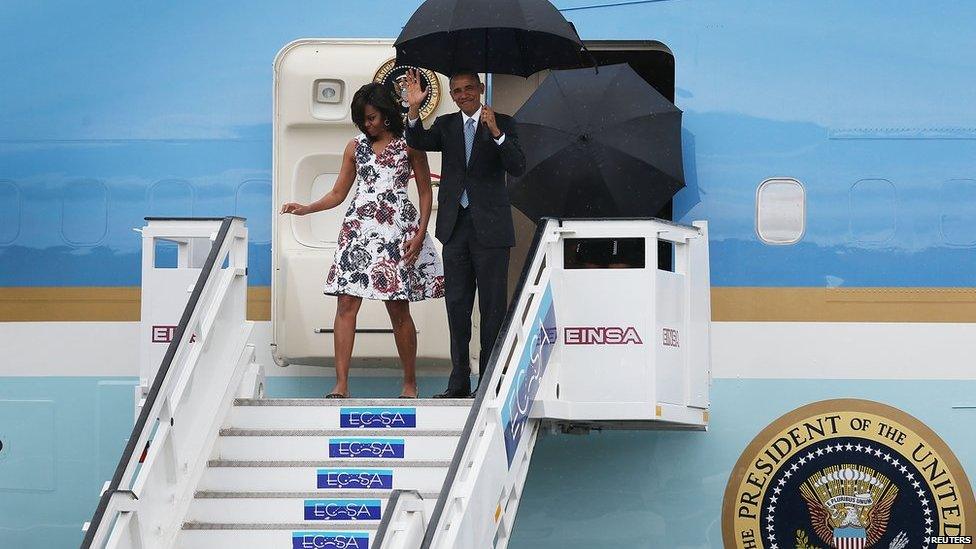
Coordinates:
column 597, row 145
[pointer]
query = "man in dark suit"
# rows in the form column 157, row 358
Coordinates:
column 474, row 216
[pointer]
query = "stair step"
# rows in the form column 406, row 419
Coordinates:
column 347, row 525
column 348, row 413
column 381, row 494
column 317, row 445
column 402, row 433
column 286, row 507
column 206, row 536
column 340, row 402
column 323, row 477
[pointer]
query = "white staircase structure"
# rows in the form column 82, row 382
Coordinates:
column 583, row 347
column 319, row 473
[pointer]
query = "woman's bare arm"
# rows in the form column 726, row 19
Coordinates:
column 344, row 181
column 421, row 173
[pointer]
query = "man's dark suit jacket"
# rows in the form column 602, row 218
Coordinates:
column 483, row 177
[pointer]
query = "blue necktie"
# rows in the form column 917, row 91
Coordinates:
column 468, row 143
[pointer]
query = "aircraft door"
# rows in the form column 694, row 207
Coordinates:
column 314, row 81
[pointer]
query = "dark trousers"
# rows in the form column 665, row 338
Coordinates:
column 468, row 266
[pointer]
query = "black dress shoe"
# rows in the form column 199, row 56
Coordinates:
column 452, row 394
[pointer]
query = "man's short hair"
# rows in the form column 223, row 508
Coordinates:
column 466, row 72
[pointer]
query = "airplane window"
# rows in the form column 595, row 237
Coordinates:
column 603, row 253
column 171, row 198
column 84, row 212
column 958, row 212
column 873, row 211
column 780, row 211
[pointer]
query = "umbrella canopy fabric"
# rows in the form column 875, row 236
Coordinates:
column 597, row 145
column 518, row 37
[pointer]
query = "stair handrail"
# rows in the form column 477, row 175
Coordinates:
column 535, row 263
column 216, row 287
column 502, row 417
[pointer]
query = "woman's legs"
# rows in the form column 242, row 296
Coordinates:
column 405, row 335
column 344, row 337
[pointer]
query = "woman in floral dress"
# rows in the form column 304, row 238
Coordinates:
column 384, row 251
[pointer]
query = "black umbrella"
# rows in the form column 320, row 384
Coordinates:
column 597, row 145
column 496, row 36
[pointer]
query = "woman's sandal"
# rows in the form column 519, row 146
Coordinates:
column 408, row 396
column 336, row 395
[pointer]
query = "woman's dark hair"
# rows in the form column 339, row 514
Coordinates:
column 381, row 99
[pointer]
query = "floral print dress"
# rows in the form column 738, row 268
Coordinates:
column 369, row 259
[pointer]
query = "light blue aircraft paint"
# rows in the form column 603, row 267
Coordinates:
column 166, row 111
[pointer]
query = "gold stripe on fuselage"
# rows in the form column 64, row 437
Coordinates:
column 729, row 304
column 93, row 304
column 744, row 304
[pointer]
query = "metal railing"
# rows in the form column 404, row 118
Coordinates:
column 520, row 389
column 481, row 429
column 144, row 504
column 394, row 514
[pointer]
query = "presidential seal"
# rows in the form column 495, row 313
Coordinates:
column 394, row 76
column 847, row 474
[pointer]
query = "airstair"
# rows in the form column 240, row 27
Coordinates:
column 319, row 473
column 212, row 463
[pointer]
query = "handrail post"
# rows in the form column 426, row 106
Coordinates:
column 194, row 386
column 167, row 278
column 699, row 318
